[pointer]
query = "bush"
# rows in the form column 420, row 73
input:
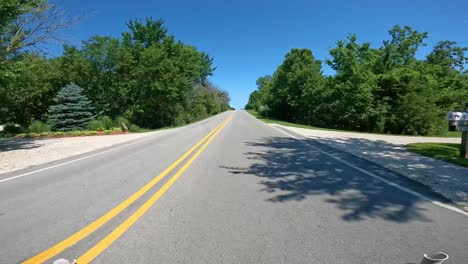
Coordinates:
column 58, row 133
column 198, row 112
column 122, row 123
column 12, row 128
column 39, row 127
column 134, row 128
column 264, row 110
column 96, row 125
column 106, row 122
column 46, row 134
column 31, row 135
column 78, row 133
column 89, row 133
column 119, row 120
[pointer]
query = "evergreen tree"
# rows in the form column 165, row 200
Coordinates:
column 72, row 110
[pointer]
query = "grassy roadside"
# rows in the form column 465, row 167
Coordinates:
column 449, row 134
column 441, row 151
column 285, row 123
column 59, row 134
column 82, row 133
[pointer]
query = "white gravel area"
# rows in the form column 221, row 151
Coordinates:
column 18, row 153
column 447, row 179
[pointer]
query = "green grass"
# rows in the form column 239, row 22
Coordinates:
column 285, row 123
column 450, row 134
column 441, row 151
column 455, row 134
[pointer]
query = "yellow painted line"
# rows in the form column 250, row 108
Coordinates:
column 122, row 228
column 84, row 232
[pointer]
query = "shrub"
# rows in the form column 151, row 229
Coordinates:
column 134, row 128
column 46, row 134
column 264, row 110
column 12, row 128
column 106, row 122
column 122, row 123
column 31, row 135
column 58, row 133
column 119, row 120
column 39, row 127
column 78, row 133
column 199, row 112
column 89, row 133
column 96, row 125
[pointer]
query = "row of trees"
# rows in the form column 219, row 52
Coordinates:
column 145, row 75
column 382, row 89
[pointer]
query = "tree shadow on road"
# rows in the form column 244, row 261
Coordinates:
column 398, row 156
column 291, row 171
column 9, row 144
column 445, row 178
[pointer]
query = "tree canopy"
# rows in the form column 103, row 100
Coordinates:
column 146, row 75
column 384, row 89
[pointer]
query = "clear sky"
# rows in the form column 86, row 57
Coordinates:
column 249, row 39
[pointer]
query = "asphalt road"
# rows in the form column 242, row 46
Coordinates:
column 247, row 193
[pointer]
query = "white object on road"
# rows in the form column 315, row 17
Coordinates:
column 64, row 261
column 435, row 259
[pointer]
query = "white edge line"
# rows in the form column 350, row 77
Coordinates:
column 419, row 195
column 86, row 157
column 99, row 153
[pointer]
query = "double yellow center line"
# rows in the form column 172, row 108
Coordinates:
column 116, row 233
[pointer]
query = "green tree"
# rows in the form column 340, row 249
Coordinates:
column 27, row 86
column 293, row 84
column 448, row 54
column 259, row 98
column 146, row 75
column 401, row 48
column 72, row 111
column 377, row 89
column 354, row 86
column 254, row 101
column 164, row 73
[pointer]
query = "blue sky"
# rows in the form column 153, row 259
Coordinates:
column 249, row 39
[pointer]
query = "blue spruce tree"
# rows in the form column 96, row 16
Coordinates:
column 72, row 111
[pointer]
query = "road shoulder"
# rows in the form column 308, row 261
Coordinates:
column 448, row 180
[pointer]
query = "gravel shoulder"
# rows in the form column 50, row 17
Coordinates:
column 17, row 153
column 449, row 180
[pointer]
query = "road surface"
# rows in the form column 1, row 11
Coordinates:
column 229, row 189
